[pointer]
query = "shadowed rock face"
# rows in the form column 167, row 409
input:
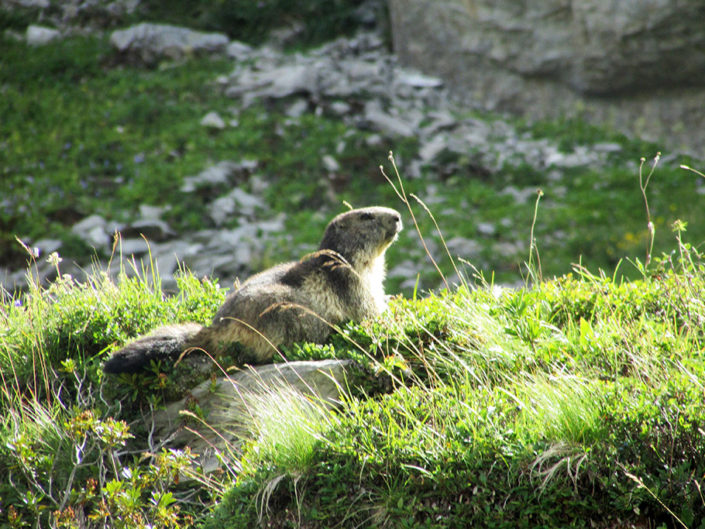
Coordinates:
column 632, row 62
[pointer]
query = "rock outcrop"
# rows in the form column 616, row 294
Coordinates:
column 639, row 66
column 223, row 414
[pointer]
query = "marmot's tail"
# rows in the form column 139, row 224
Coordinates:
column 164, row 343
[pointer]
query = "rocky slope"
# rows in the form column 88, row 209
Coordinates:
column 356, row 80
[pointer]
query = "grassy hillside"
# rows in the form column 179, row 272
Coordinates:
column 575, row 402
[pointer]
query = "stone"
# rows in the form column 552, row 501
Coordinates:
column 432, row 148
column 238, row 203
column 167, row 258
column 212, row 120
column 40, row 35
column 297, row 109
column 637, row 66
column 238, row 50
column 93, row 230
column 385, row 123
column 520, row 196
column 219, row 174
column 486, row 229
column 340, row 108
column 246, row 202
column 135, row 246
column 225, row 403
column 418, row 80
column 221, row 209
column 330, row 164
column 151, row 42
column 462, row 247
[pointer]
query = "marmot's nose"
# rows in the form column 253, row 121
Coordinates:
column 397, row 219
column 394, row 223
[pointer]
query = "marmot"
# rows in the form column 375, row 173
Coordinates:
column 291, row 302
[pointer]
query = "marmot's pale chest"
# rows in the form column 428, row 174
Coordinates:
column 291, row 302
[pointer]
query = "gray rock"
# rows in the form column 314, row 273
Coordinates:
column 93, row 230
column 246, row 203
column 167, row 258
column 275, row 225
column 607, row 147
column 278, row 82
column 486, row 229
column 237, row 203
column 374, row 140
column 226, row 403
column 221, row 174
column 462, row 247
column 150, row 42
column 340, row 108
column 212, row 120
column 385, row 123
column 238, row 50
column 130, row 247
column 297, row 109
column 330, row 164
column 221, row 209
column 418, row 80
column 521, row 196
column 440, row 121
column 624, row 63
column 408, row 272
column 39, row 35
column 432, row 148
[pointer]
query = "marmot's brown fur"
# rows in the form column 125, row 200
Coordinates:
column 291, row 302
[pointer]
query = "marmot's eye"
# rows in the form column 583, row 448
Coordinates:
column 366, row 216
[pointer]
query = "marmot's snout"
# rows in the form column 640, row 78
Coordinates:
column 393, row 224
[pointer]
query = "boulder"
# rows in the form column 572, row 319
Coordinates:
column 222, row 405
column 212, row 120
column 39, row 35
column 636, row 65
column 93, row 230
column 152, row 42
column 219, row 175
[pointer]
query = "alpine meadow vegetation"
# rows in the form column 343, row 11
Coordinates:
column 563, row 390
column 575, row 401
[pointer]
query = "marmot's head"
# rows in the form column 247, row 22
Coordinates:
column 362, row 235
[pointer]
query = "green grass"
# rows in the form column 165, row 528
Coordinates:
column 575, row 401
column 581, row 439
